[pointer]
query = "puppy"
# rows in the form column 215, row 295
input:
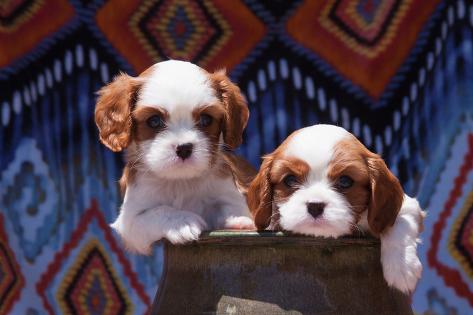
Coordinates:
column 176, row 122
column 322, row 181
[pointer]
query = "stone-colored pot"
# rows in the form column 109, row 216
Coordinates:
column 272, row 273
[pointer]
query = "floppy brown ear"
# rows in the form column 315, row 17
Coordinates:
column 236, row 110
column 260, row 195
column 386, row 195
column 242, row 171
column 113, row 111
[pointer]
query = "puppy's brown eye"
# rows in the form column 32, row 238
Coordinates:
column 290, row 181
column 344, row 182
column 205, row 120
column 155, row 122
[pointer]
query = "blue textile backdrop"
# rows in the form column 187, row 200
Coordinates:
column 396, row 73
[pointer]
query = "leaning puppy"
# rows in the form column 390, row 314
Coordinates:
column 174, row 120
column 322, row 181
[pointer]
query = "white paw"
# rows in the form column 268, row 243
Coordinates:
column 402, row 269
column 239, row 223
column 138, row 245
column 142, row 247
column 184, row 228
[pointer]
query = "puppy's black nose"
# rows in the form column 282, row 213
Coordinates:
column 184, row 150
column 315, row 208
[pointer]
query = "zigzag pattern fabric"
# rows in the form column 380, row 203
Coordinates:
column 396, row 73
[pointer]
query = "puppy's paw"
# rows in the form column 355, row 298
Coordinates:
column 142, row 247
column 239, row 223
column 185, row 227
column 139, row 244
column 402, row 269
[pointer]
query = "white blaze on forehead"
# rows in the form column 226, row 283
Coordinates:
column 176, row 85
column 314, row 145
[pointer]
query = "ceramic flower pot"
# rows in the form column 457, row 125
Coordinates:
column 272, row 273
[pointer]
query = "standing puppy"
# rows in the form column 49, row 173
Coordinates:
column 322, row 181
column 174, row 120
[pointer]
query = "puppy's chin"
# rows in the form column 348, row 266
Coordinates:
column 336, row 220
column 178, row 169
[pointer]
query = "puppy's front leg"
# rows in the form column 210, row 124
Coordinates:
column 140, row 229
column 401, row 265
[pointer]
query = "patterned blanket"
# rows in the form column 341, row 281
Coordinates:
column 396, row 73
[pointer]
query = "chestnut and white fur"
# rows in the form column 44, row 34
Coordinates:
column 176, row 122
column 322, row 181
